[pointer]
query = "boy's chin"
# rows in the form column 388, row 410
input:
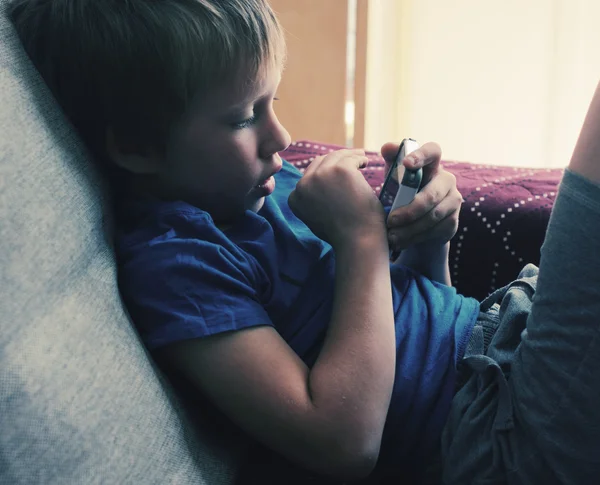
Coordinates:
column 257, row 205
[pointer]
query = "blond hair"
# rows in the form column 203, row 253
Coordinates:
column 135, row 65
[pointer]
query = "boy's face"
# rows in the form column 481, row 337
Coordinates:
column 224, row 153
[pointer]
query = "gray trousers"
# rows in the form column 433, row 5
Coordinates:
column 529, row 410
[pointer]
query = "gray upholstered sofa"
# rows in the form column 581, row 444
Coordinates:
column 80, row 402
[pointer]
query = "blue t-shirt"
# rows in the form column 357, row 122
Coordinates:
column 182, row 278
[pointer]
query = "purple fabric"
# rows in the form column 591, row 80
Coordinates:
column 503, row 220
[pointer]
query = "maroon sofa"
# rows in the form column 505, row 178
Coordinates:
column 502, row 222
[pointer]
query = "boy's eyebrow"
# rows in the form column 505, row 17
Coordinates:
column 252, row 100
column 247, row 102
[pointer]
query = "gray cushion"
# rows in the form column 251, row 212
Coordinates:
column 80, row 401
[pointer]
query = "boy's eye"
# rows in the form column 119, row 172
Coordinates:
column 245, row 123
column 240, row 125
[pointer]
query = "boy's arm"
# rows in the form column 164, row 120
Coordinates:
column 329, row 418
column 423, row 228
column 429, row 259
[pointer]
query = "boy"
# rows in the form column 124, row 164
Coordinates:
column 284, row 315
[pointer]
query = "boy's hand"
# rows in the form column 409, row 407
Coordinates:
column 335, row 201
column 433, row 214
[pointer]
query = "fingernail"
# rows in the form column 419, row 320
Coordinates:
column 416, row 161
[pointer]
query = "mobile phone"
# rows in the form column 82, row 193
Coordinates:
column 401, row 185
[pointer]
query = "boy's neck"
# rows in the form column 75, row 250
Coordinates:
column 145, row 186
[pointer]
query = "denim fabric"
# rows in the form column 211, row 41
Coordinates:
column 528, row 413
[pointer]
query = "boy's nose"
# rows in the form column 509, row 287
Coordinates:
column 276, row 140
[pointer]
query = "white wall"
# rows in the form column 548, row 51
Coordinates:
column 389, row 35
column 493, row 82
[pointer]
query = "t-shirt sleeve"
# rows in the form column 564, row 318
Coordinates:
column 181, row 289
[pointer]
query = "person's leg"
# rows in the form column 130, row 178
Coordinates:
column 586, row 157
column 555, row 376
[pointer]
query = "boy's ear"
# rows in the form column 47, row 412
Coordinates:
column 133, row 159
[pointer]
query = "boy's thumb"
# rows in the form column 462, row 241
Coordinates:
column 389, row 151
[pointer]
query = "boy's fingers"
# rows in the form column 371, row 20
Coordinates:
column 428, row 155
column 389, row 151
column 355, row 161
column 354, row 157
column 441, row 222
column 430, row 220
column 314, row 164
column 443, row 188
column 443, row 230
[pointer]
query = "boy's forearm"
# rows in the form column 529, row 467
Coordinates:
column 354, row 374
column 429, row 259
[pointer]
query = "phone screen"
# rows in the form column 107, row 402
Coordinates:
column 390, row 186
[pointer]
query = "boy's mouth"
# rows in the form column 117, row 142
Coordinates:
column 266, row 187
column 264, row 182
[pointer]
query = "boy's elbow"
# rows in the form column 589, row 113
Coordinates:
column 347, row 447
column 352, row 461
column 358, row 466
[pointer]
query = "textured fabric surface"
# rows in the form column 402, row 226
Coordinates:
column 528, row 413
column 503, row 220
column 79, row 400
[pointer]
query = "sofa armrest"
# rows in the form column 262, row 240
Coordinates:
column 503, row 220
